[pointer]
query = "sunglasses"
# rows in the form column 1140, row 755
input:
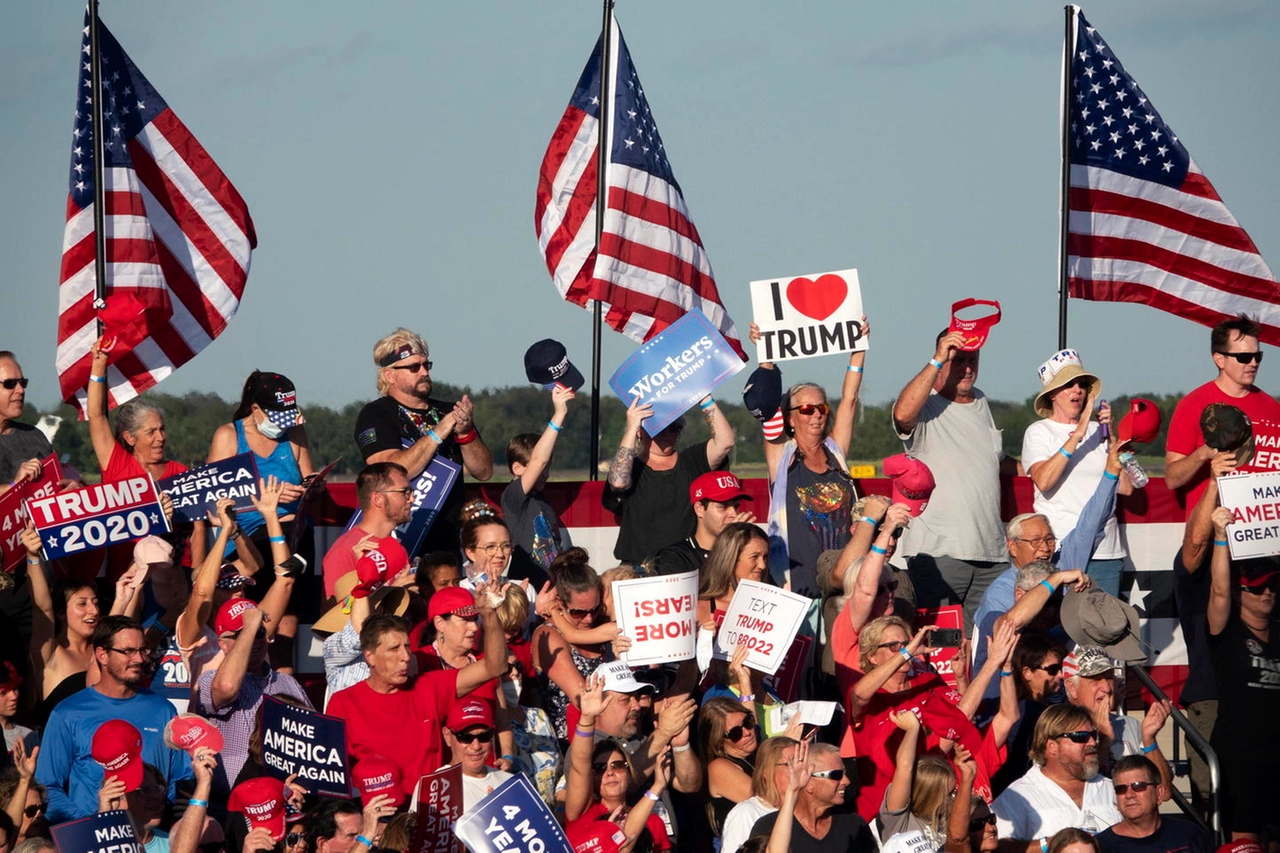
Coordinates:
column 579, row 613
column 1082, row 736
column 32, row 811
column 1050, row 670
column 895, row 647
column 834, row 775
column 1261, row 587
column 1136, row 787
column 737, row 733
column 885, row 588
column 292, row 839
column 467, row 738
column 809, row 408
column 10, row 384
column 422, row 366
column 1242, row 357
column 616, row 764
column 978, row 824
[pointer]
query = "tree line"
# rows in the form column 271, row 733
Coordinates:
column 501, row 413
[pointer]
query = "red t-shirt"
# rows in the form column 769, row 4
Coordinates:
column 122, row 465
column 403, row 726
column 339, row 559
column 848, row 661
column 597, row 811
column 1185, row 435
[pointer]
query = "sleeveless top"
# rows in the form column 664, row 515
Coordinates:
column 72, row 684
column 281, row 463
column 718, row 808
column 557, row 703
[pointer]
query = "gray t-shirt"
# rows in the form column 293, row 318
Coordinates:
column 25, row 442
column 962, row 447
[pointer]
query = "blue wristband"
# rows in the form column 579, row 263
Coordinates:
column 360, row 839
column 275, row 539
column 1147, row 750
column 876, row 549
column 431, row 434
column 193, row 802
column 869, row 520
column 936, row 363
column 704, row 406
column 1064, row 452
column 854, row 368
column 554, row 426
column 1048, row 586
column 1110, row 476
column 1006, row 674
column 1221, row 542
column 98, row 379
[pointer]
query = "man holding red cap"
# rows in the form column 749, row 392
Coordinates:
column 469, row 734
column 400, row 717
column 230, row 695
column 386, row 502
column 717, row 498
column 954, row 549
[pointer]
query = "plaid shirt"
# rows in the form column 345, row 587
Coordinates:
column 237, row 719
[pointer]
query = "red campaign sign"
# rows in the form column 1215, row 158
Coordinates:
column 785, row 683
column 13, row 512
column 947, row 616
column 439, row 800
column 80, row 520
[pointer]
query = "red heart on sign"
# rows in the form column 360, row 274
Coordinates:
column 817, row 299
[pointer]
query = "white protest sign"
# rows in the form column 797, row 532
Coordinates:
column 810, row 713
column 658, row 615
column 808, row 315
column 764, row 617
column 1254, row 500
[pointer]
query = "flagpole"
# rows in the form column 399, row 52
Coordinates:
column 602, row 188
column 1068, row 45
column 99, row 155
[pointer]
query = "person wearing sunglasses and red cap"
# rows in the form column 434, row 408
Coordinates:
column 470, row 735
column 1244, row 645
column 1238, row 356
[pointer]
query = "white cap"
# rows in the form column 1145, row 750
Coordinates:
column 619, row 678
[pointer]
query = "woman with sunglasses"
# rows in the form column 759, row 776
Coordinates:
column 599, row 778
column 1065, row 454
column 1038, row 679
column 22, row 798
column 1244, row 644
column 811, row 492
column 561, row 665
column 727, row 733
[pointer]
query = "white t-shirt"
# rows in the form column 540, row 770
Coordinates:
column 1034, row 807
column 911, row 841
column 476, row 788
column 1062, row 504
column 962, row 447
column 739, row 821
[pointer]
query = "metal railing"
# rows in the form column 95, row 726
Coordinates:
column 1197, row 741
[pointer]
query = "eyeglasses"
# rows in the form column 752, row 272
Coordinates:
column 579, row 613
column 1050, row 670
column 1242, row 357
column 128, row 653
column 32, row 811
column 1040, row 541
column 467, row 738
column 1261, row 587
column 1136, row 787
column 292, row 838
column 421, row 366
column 834, row 775
column 1083, row 736
column 895, row 646
column 490, row 550
column 737, row 733
column 891, row 586
column 809, row 408
column 406, row 491
column 978, row 824
column 616, row 764
column 10, row 384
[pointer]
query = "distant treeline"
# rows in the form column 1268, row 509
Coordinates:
column 503, row 412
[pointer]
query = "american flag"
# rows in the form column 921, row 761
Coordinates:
column 178, row 236
column 1145, row 223
column 651, row 268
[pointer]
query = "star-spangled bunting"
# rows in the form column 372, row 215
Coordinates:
column 1145, row 224
column 178, row 235
column 651, row 267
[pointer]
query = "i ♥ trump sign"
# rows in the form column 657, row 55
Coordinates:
column 808, row 315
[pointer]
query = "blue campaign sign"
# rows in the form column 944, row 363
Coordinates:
column 512, row 817
column 675, row 369
column 198, row 491
column 430, row 490
column 308, row 743
column 79, row 520
column 105, row 832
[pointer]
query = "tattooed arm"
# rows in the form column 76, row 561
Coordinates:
column 629, row 448
column 722, row 437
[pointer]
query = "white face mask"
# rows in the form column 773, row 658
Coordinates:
column 512, row 690
column 270, row 429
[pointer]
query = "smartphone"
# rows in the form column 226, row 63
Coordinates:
column 945, row 637
column 294, row 566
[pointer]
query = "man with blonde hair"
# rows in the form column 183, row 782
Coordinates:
column 406, row 425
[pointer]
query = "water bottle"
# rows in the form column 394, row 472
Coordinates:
column 1137, row 476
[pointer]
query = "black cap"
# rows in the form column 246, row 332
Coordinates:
column 1226, row 427
column 763, row 393
column 546, row 363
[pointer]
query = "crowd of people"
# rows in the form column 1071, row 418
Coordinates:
column 492, row 642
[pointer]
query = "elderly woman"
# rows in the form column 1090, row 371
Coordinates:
column 811, row 490
column 136, row 446
column 1065, row 454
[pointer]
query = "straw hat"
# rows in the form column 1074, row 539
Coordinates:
column 1062, row 368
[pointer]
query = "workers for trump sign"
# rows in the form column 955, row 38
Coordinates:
column 658, row 615
column 675, row 369
column 13, row 510
column 766, row 619
column 808, row 315
column 305, row 742
column 79, row 520
column 1254, row 501
column 198, row 491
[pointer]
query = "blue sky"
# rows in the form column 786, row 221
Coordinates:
column 389, row 154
